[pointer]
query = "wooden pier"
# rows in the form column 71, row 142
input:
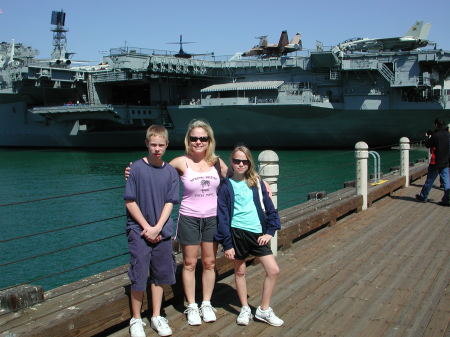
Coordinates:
column 381, row 272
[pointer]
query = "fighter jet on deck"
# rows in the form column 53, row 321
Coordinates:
column 264, row 49
column 414, row 38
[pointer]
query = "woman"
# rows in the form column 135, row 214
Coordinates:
column 200, row 171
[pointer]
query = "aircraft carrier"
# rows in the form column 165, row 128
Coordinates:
column 374, row 90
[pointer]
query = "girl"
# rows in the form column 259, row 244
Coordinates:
column 247, row 220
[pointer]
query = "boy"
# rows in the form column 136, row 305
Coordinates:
column 150, row 193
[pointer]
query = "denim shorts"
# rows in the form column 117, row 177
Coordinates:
column 150, row 262
column 192, row 230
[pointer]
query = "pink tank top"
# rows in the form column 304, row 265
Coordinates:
column 199, row 193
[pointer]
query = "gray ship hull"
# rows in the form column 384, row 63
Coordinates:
column 294, row 126
column 261, row 126
column 21, row 128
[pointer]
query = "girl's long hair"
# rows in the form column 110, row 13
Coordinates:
column 251, row 176
column 210, row 156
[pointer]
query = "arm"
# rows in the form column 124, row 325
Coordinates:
column 179, row 164
column 273, row 219
column 223, row 169
column 126, row 173
column 223, row 218
column 269, row 190
column 165, row 214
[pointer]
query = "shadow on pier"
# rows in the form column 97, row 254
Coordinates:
column 384, row 271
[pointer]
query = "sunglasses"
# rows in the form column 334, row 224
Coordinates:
column 202, row 139
column 238, row 161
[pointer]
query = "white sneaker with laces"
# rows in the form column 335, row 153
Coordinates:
column 244, row 316
column 268, row 316
column 193, row 314
column 207, row 312
column 137, row 327
column 161, row 325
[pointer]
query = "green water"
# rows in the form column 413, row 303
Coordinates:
column 35, row 174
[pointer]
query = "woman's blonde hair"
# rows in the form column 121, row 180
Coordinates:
column 251, row 176
column 210, row 156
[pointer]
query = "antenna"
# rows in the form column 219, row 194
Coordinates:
column 59, row 35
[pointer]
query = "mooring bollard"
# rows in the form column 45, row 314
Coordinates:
column 361, row 155
column 404, row 159
column 269, row 171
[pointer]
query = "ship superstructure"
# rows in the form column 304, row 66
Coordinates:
column 316, row 99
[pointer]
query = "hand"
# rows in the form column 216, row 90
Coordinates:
column 229, row 254
column 150, row 233
column 264, row 239
column 158, row 238
column 126, row 173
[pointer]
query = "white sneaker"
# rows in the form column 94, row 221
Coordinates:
column 161, row 325
column 244, row 316
column 193, row 314
column 137, row 327
column 268, row 316
column 207, row 311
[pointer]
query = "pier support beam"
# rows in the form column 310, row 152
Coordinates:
column 361, row 155
column 269, row 170
column 404, row 159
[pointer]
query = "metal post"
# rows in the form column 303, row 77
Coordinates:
column 361, row 155
column 269, row 171
column 404, row 159
column 376, row 165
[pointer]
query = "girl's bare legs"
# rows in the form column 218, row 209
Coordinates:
column 209, row 251
column 241, row 283
column 272, row 270
column 190, row 254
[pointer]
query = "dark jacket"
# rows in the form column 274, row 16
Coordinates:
column 438, row 144
column 270, row 221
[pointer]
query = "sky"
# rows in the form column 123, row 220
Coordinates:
column 222, row 27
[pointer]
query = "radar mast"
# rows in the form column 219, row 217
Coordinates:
column 59, row 54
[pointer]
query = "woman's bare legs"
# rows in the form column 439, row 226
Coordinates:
column 209, row 251
column 190, row 255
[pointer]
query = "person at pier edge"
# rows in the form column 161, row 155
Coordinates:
column 247, row 221
column 438, row 143
column 150, row 193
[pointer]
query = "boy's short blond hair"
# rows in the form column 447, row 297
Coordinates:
column 157, row 130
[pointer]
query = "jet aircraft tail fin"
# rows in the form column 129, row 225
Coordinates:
column 296, row 39
column 283, row 39
column 419, row 30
